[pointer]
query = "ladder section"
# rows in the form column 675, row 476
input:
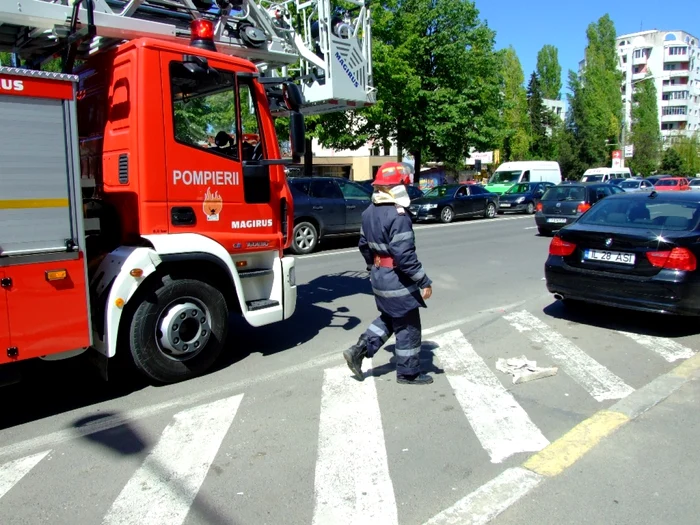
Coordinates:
column 328, row 51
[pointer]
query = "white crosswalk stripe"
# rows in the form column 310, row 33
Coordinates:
column 500, row 423
column 352, row 473
column 600, row 382
column 162, row 490
column 667, row 348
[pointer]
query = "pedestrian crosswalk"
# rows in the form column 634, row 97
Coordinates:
column 346, row 466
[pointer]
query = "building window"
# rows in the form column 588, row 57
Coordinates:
column 674, row 110
column 677, row 50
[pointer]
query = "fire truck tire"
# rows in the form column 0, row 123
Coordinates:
column 179, row 329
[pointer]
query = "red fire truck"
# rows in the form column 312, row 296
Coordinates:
column 143, row 196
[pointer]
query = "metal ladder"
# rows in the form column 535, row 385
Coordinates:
column 329, row 52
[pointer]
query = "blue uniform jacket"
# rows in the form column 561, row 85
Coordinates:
column 387, row 230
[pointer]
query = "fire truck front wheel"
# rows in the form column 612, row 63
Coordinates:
column 178, row 330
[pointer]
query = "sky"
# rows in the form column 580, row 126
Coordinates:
column 527, row 26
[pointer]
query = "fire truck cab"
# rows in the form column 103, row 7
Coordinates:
column 144, row 199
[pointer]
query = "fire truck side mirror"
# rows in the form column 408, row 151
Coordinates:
column 293, row 98
column 297, row 133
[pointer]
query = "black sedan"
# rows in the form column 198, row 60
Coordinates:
column 523, row 197
column 637, row 251
column 563, row 204
column 451, row 201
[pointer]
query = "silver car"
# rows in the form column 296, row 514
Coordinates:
column 631, row 185
column 694, row 184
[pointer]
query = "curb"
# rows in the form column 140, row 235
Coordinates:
column 494, row 497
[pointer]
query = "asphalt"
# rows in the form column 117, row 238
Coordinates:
column 256, row 437
column 646, row 472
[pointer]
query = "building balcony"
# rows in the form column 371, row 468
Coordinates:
column 639, row 61
column 674, row 118
column 675, row 87
column 677, row 73
column 675, row 58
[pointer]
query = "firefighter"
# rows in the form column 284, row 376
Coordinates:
column 399, row 282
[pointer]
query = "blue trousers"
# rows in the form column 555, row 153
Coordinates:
column 408, row 340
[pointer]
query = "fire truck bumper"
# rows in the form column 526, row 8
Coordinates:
column 290, row 286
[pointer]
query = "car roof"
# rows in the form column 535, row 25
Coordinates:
column 660, row 196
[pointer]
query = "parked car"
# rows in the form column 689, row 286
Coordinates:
column 694, row 184
column 450, row 201
column 636, row 185
column 325, row 207
column 672, row 184
column 634, row 250
column 563, row 204
column 523, row 197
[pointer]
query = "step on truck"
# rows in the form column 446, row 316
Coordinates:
column 143, row 187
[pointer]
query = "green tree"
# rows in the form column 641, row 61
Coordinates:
column 595, row 104
column 516, row 135
column 688, row 147
column 645, row 130
column 540, row 147
column 672, row 163
column 437, row 79
column 549, row 72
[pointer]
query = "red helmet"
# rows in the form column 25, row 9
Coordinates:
column 392, row 174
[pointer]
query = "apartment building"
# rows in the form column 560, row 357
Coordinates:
column 672, row 58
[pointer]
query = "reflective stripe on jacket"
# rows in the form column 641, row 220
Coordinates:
column 387, row 230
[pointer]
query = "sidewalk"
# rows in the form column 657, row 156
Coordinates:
column 647, row 472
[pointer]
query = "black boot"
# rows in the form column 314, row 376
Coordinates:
column 354, row 356
column 420, row 379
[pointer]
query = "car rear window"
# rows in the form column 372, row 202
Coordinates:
column 565, row 193
column 667, row 182
column 633, row 213
column 629, row 184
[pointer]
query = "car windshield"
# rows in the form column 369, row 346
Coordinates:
column 647, row 214
column 629, row 184
column 592, row 178
column 505, row 177
column 565, row 193
column 439, row 191
column 667, row 182
column 519, row 188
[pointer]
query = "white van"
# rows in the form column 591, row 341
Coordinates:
column 510, row 173
column 605, row 174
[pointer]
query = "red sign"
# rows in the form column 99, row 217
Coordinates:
column 36, row 87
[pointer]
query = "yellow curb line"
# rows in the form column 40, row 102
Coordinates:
column 572, row 446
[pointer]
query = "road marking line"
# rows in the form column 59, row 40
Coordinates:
column 166, row 484
column 417, row 228
column 666, row 348
column 501, row 424
column 11, row 473
column 600, row 382
column 352, row 473
column 530, row 228
column 572, row 446
column 489, row 500
column 106, row 423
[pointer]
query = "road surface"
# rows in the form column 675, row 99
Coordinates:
column 281, row 433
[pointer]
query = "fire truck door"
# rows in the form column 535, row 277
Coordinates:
column 4, row 320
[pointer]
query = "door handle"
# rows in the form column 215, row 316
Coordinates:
column 350, row 207
column 317, row 208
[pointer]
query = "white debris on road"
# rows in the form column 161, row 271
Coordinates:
column 524, row 370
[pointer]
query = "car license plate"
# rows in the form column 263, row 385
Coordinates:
column 505, row 205
column 608, row 256
column 557, row 221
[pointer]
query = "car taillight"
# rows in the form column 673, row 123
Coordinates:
column 538, row 207
column 681, row 259
column 561, row 248
column 583, row 207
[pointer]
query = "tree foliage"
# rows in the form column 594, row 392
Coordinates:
column 540, row 120
column 437, row 80
column 683, row 156
column 516, row 133
column 645, row 130
column 595, row 105
column 549, row 72
column 672, row 163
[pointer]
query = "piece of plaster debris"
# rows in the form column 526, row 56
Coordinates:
column 524, row 370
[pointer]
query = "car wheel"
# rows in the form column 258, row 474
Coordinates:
column 305, row 238
column 530, row 208
column 447, row 215
column 490, row 212
column 178, row 331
